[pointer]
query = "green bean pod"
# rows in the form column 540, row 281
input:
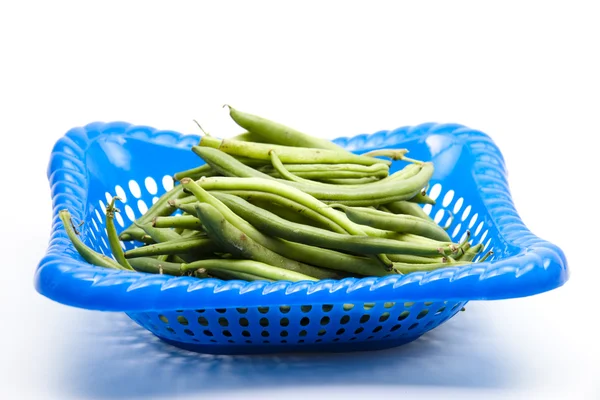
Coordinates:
column 273, row 225
column 197, row 247
column 158, row 209
column 238, row 243
column 84, row 251
column 422, row 198
column 227, row 275
column 255, row 268
column 113, row 238
column 316, row 171
column 408, row 268
column 155, row 266
column 408, row 208
column 348, row 181
column 178, row 221
column 274, row 132
column 396, row 223
column 287, row 154
column 471, row 253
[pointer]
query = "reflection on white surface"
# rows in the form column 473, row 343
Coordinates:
column 115, row 358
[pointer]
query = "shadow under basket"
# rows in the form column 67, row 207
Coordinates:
column 91, row 164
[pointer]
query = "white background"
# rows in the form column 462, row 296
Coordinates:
column 525, row 73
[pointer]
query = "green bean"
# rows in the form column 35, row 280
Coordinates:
column 178, row 221
column 349, row 181
column 287, row 154
column 159, row 234
column 408, row 268
column 158, row 209
column 84, row 251
column 233, row 275
column 412, row 259
column 422, row 198
column 297, row 251
column 195, row 173
column 155, row 266
column 284, row 212
column 317, row 219
column 249, row 137
column 193, row 246
column 238, row 243
column 396, row 223
column 394, row 154
column 276, row 226
column 471, row 253
column 331, row 170
column 407, row 208
column 113, row 238
column 486, row 255
column 255, row 268
column 164, row 257
column 274, row 132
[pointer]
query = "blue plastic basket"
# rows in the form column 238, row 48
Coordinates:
column 91, row 164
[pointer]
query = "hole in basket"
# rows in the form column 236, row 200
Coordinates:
column 264, row 322
column 403, row 315
column 242, row 310
column 345, row 319
column 370, row 337
column 264, row 334
column 284, row 309
column 266, row 342
column 284, row 322
column 301, row 341
column 340, row 331
column 384, row 317
column 422, row 313
column 348, row 307
column 364, row 318
column 244, row 322
column 226, row 333
column 322, row 332
column 202, row 321
column 395, row 328
column 284, row 333
column 359, row 330
column 230, row 341
column 386, row 336
column 170, row 329
column 182, row 320
column 303, row 333
column 454, row 307
column 284, row 341
column 212, row 341
column 327, row 307
column 187, row 331
column 389, row 304
column 318, row 340
column 441, row 310
column 207, row 332
column 413, row 326
column 163, row 319
column 377, row 329
column 306, row 308
column 336, row 339
column 353, row 338
column 304, row 321
column 248, row 341
column 200, row 311
column 428, row 303
column 325, row 320
column 245, row 333
column 409, row 304
column 263, row 310
column 368, row 306
column 223, row 321
column 220, row 310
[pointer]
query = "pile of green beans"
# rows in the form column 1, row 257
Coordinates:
column 274, row 204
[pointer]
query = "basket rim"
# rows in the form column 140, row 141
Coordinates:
column 63, row 277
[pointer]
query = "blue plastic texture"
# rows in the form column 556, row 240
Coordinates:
column 91, row 164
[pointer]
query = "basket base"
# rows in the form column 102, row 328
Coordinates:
column 232, row 349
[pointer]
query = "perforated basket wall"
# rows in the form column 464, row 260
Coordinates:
column 91, row 164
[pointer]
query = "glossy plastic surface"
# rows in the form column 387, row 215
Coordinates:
column 91, row 164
